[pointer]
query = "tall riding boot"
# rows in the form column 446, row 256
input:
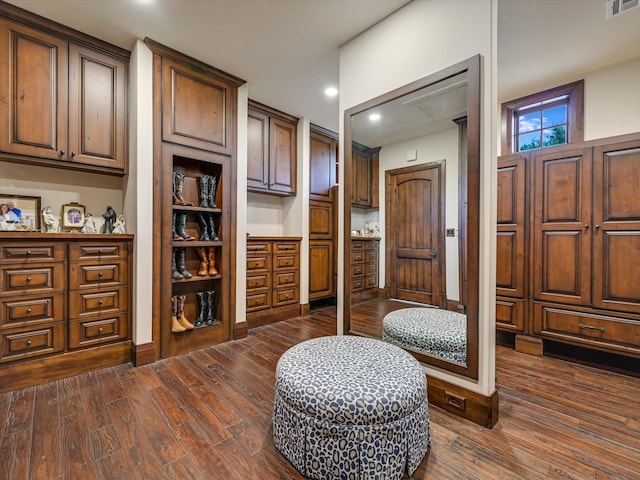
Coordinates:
column 203, row 183
column 212, row 261
column 213, row 188
column 175, row 274
column 181, row 262
column 204, row 262
column 178, row 188
column 173, row 229
column 204, row 227
column 175, row 325
column 213, row 233
column 203, row 308
column 181, row 222
column 182, row 320
column 211, row 311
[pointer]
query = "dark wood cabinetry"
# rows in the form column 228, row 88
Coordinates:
column 272, row 150
column 194, row 243
column 66, row 96
column 364, row 268
column 364, row 181
column 578, row 283
column 64, row 305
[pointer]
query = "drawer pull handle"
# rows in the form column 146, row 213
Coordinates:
column 100, row 274
column 28, row 279
column 28, row 310
column 590, row 327
column 28, row 252
column 100, row 330
column 100, row 250
column 28, row 343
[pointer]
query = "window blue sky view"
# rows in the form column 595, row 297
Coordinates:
column 542, row 118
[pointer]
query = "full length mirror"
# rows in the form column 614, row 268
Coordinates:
column 411, row 225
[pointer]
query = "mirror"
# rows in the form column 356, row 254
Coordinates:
column 426, row 145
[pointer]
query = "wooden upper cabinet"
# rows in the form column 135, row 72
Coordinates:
column 62, row 101
column 322, row 168
column 197, row 108
column 364, row 178
column 271, row 150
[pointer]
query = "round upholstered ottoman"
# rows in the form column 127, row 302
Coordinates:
column 441, row 333
column 351, row 407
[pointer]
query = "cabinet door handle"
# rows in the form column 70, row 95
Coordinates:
column 100, row 330
column 586, row 226
column 28, row 279
column 73, row 154
column 590, row 327
column 100, row 302
column 28, row 343
column 597, row 226
column 99, row 274
column 61, row 153
column 28, row 310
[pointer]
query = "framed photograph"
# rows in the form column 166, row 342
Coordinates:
column 72, row 217
column 20, row 212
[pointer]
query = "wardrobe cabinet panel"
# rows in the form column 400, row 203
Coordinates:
column 322, row 166
column 320, row 269
column 282, row 156
column 257, row 150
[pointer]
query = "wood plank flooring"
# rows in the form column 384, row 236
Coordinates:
column 207, row 415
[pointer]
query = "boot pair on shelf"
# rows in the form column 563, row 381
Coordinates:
column 208, row 229
column 207, row 261
column 179, row 322
column 179, row 264
column 207, row 306
column 178, row 189
column 179, row 227
column 208, row 186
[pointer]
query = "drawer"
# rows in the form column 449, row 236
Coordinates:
column 357, row 245
column 88, row 332
column 371, row 256
column 108, row 302
column 588, row 327
column 371, row 269
column 286, row 296
column 286, row 261
column 23, row 310
column 371, row 245
column 90, row 275
column 256, row 282
column 286, row 247
column 510, row 314
column 357, row 284
column 32, row 252
column 258, row 247
column 282, row 279
column 32, row 279
column 98, row 251
column 357, row 269
column 259, row 263
column 19, row 344
column 259, row 301
column 357, row 257
column 371, row 281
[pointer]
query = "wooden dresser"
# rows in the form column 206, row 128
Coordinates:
column 273, row 279
column 64, row 305
column 364, row 268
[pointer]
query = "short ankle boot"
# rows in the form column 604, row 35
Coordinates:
column 204, row 227
column 178, row 188
column 181, row 262
column 182, row 320
column 181, row 223
column 204, row 262
column 213, row 188
column 175, row 325
column 173, row 229
column 203, row 184
column 203, row 308
column 211, row 311
column 175, row 274
column 212, row 261
column 213, row 234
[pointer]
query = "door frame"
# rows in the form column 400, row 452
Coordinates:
column 440, row 234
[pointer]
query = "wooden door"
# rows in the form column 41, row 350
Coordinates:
column 321, row 277
column 282, row 156
column 616, row 229
column 258, row 150
column 562, row 226
column 33, row 78
column 322, row 160
column 97, row 109
column 414, row 227
column 361, row 178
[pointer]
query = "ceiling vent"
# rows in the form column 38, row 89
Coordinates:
column 618, row 7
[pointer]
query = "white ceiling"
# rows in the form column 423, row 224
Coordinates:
column 287, row 50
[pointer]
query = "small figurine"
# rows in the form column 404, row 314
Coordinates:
column 90, row 225
column 110, row 217
column 119, row 226
column 49, row 220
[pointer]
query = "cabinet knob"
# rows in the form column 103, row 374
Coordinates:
column 100, row 251
column 586, row 226
column 28, row 279
column 28, row 310
column 597, row 226
column 28, row 343
column 28, row 252
column 100, row 330
column 99, row 274
column 100, row 302
column 73, row 154
column 61, row 153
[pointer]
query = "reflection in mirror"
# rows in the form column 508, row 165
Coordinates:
column 415, row 233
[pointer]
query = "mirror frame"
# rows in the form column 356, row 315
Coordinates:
column 472, row 67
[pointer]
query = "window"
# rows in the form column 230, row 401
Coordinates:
column 544, row 119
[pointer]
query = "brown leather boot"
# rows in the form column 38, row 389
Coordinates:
column 182, row 320
column 212, row 261
column 175, row 325
column 204, row 262
column 178, row 188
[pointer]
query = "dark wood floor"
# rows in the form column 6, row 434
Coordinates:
column 207, row 415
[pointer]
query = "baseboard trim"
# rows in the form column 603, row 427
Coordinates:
column 305, row 309
column 529, row 345
column 272, row 315
column 240, row 330
column 143, row 354
column 463, row 402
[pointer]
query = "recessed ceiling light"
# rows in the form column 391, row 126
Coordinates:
column 374, row 117
column 331, row 91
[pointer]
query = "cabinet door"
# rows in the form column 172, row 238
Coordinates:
column 320, row 220
column 282, row 156
column 361, row 179
column 616, row 219
column 97, row 109
column 562, row 226
column 321, row 281
column 33, row 83
column 197, row 109
column 257, row 151
column 322, row 168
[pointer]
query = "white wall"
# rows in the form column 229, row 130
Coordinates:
column 418, row 40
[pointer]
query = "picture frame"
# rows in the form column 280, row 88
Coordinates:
column 73, row 216
column 28, row 212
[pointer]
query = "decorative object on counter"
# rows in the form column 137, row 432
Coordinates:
column 178, row 189
column 119, row 226
column 110, row 217
column 4, row 225
column 208, row 185
column 376, row 231
column 207, row 308
column 19, row 212
column 90, row 225
column 72, row 217
column 181, row 263
column 180, row 225
column 50, row 222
